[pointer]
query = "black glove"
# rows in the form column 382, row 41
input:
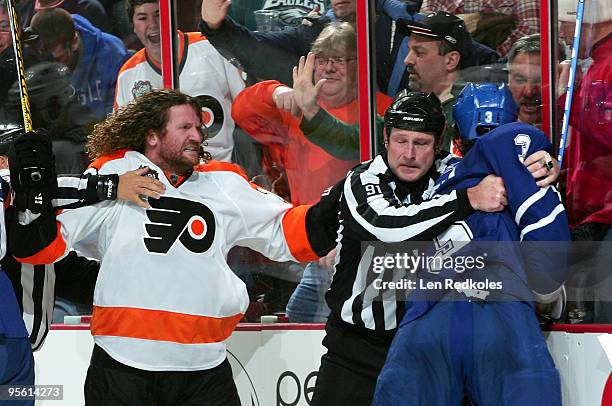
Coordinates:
column 32, row 167
column 322, row 220
column 329, row 204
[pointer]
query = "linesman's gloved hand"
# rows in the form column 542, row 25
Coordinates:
column 322, row 220
column 32, row 167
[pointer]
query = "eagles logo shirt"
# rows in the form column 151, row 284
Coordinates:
column 290, row 12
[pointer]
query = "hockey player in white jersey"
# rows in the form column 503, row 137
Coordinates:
column 204, row 74
column 165, row 299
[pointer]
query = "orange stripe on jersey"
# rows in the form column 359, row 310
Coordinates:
column 221, row 166
column 193, row 37
column 161, row 325
column 120, row 153
column 294, row 228
column 135, row 60
column 50, row 253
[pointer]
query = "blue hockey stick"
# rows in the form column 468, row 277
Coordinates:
column 570, row 82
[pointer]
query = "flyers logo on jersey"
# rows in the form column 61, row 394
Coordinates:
column 172, row 219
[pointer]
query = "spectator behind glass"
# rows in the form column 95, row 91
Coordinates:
column 499, row 23
column 588, row 158
column 254, row 51
column 392, row 46
column 54, row 108
column 93, row 56
column 438, row 48
column 92, row 10
column 5, row 29
column 524, row 78
column 204, row 74
column 7, row 69
column 31, row 49
column 265, row 112
column 291, row 13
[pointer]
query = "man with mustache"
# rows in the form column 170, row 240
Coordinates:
column 524, row 78
column 439, row 47
column 204, row 74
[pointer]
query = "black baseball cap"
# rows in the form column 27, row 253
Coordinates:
column 442, row 26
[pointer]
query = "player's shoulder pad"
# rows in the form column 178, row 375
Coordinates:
column 99, row 162
column 220, row 166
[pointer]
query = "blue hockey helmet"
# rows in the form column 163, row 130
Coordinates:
column 482, row 107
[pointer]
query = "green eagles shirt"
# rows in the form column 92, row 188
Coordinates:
column 291, row 12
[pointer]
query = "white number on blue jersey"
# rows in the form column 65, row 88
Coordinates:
column 523, row 141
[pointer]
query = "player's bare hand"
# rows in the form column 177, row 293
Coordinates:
column 489, row 195
column 283, row 98
column 304, row 91
column 214, row 12
column 133, row 185
column 543, row 167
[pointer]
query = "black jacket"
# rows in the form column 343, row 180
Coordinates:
column 265, row 55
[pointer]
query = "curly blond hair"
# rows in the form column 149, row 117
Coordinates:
column 129, row 126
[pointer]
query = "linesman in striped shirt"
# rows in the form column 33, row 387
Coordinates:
column 383, row 200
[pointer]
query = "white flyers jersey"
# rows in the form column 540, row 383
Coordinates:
column 165, row 298
column 204, row 74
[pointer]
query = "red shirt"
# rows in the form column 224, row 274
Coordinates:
column 589, row 155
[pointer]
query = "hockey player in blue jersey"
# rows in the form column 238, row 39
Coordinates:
column 484, row 341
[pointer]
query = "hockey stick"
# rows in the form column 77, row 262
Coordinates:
column 570, row 82
column 23, row 91
column 34, row 173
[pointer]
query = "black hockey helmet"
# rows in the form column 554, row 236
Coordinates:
column 416, row 111
column 49, row 92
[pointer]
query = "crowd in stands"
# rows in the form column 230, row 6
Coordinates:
column 86, row 58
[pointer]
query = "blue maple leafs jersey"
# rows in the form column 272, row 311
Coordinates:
column 523, row 246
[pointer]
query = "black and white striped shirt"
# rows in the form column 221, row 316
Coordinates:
column 73, row 277
column 376, row 207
